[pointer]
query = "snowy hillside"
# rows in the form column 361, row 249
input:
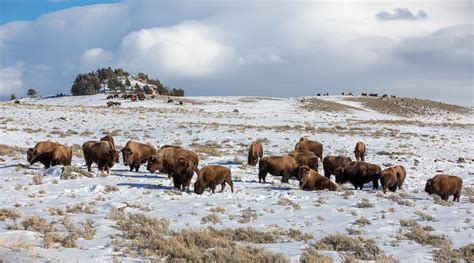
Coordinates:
column 427, row 139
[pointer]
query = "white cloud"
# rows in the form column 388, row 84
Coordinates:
column 96, row 57
column 10, row 80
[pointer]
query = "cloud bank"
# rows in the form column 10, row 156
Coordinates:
column 247, row 48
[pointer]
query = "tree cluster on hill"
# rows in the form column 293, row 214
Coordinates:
column 117, row 80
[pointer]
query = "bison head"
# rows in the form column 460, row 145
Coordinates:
column 339, row 173
column 127, row 156
column 429, row 186
column 303, row 172
column 30, row 154
column 154, row 163
column 198, row 187
column 112, row 157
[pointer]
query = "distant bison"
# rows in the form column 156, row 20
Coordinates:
column 359, row 151
column 392, row 178
column 331, row 163
column 359, row 173
column 49, row 154
column 305, row 158
column 444, row 186
column 255, row 152
column 100, row 152
column 135, row 153
column 311, row 180
column 212, row 175
column 183, row 172
column 284, row 166
column 305, row 144
column 165, row 159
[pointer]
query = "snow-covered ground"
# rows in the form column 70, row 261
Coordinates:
column 425, row 145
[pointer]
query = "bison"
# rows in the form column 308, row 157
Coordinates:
column 212, row 175
column 359, row 151
column 135, row 153
column 255, row 152
column 166, row 157
column 444, row 186
column 359, row 173
column 183, row 172
column 331, row 163
column 100, row 152
column 311, row 180
column 284, row 166
column 49, row 154
column 392, row 178
column 305, row 144
column 305, row 158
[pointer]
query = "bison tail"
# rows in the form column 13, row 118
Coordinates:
column 196, row 170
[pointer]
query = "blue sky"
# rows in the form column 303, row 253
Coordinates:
column 14, row 10
column 418, row 48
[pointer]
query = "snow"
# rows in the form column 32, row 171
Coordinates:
column 212, row 119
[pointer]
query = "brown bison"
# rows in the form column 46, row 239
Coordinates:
column 313, row 146
column 108, row 138
column 135, row 153
column 49, row 154
column 311, row 180
column 392, row 178
column 212, row 175
column 284, row 166
column 100, row 152
column 359, row 151
column 183, row 172
column 255, row 152
column 305, row 158
column 444, row 186
column 331, row 163
column 359, row 173
column 166, row 157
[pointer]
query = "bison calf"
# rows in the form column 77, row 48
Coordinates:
column 444, row 186
column 255, row 152
column 392, row 178
column 135, row 153
column 311, row 180
column 359, row 173
column 284, row 166
column 359, row 151
column 331, row 163
column 212, row 175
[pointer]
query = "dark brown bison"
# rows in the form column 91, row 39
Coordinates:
column 311, row 180
column 255, row 152
column 359, row 173
column 108, row 138
column 359, row 151
column 100, row 152
column 305, row 158
column 183, row 172
column 305, row 144
column 135, row 153
column 212, row 175
column 284, row 166
column 392, row 178
column 166, row 157
column 331, row 163
column 444, row 186
column 49, row 154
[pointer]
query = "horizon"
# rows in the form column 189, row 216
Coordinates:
column 418, row 50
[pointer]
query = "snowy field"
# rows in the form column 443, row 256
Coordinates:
column 220, row 129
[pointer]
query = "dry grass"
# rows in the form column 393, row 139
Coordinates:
column 248, row 215
column 12, row 214
column 52, row 238
column 38, row 224
column 362, row 221
column 217, row 209
column 364, row 203
column 211, row 218
column 288, row 202
column 353, row 231
column 38, row 179
column 314, row 104
column 208, row 148
column 448, row 254
column 81, row 207
column 19, row 244
column 110, row 188
column 73, row 172
column 7, row 150
column 425, row 216
column 360, row 248
column 311, row 255
column 421, row 235
column 143, row 236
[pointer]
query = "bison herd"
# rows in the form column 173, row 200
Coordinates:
column 302, row 163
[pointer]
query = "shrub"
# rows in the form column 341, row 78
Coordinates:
column 365, row 203
column 364, row 249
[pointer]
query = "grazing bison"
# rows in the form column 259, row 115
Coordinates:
column 284, row 166
column 331, row 163
column 100, row 152
column 359, row 151
column 305, row 158
column 392, row 178
column 135, row 153
column 359, row 173
column 444, row 186
column 311, row 180
column 49, row 154
column 212, row 175
column 305, row 144
column 183, row 172
column 255, row 152
column 166, row 157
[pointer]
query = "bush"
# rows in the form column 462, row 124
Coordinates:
column 364, row 249
column 31, row 93
column 13, row 96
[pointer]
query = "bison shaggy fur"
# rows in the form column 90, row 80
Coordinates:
column 284, row 166
column 392, row 178
column 305, row 158
column 49, row 154
column 331, row 163
column 311, row 180
column 359, row 173
column 444, row 185
column 135, row 154
column 305, row 144
column 212, row 175
column 255, row 152
column 102, row 153
column 359, row 151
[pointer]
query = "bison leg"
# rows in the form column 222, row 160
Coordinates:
column 213, row 187
column 232, row 185
column 137, row 167
column 445, row 197
column 88, row 164
column 393, row 188
column 375, row 184
column 456, row 196
column 131, row 167
column 384, row 189
column 261, row 176
column 362, row 157
column 223, row 186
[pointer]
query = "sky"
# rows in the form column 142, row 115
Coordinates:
column 418, row 49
